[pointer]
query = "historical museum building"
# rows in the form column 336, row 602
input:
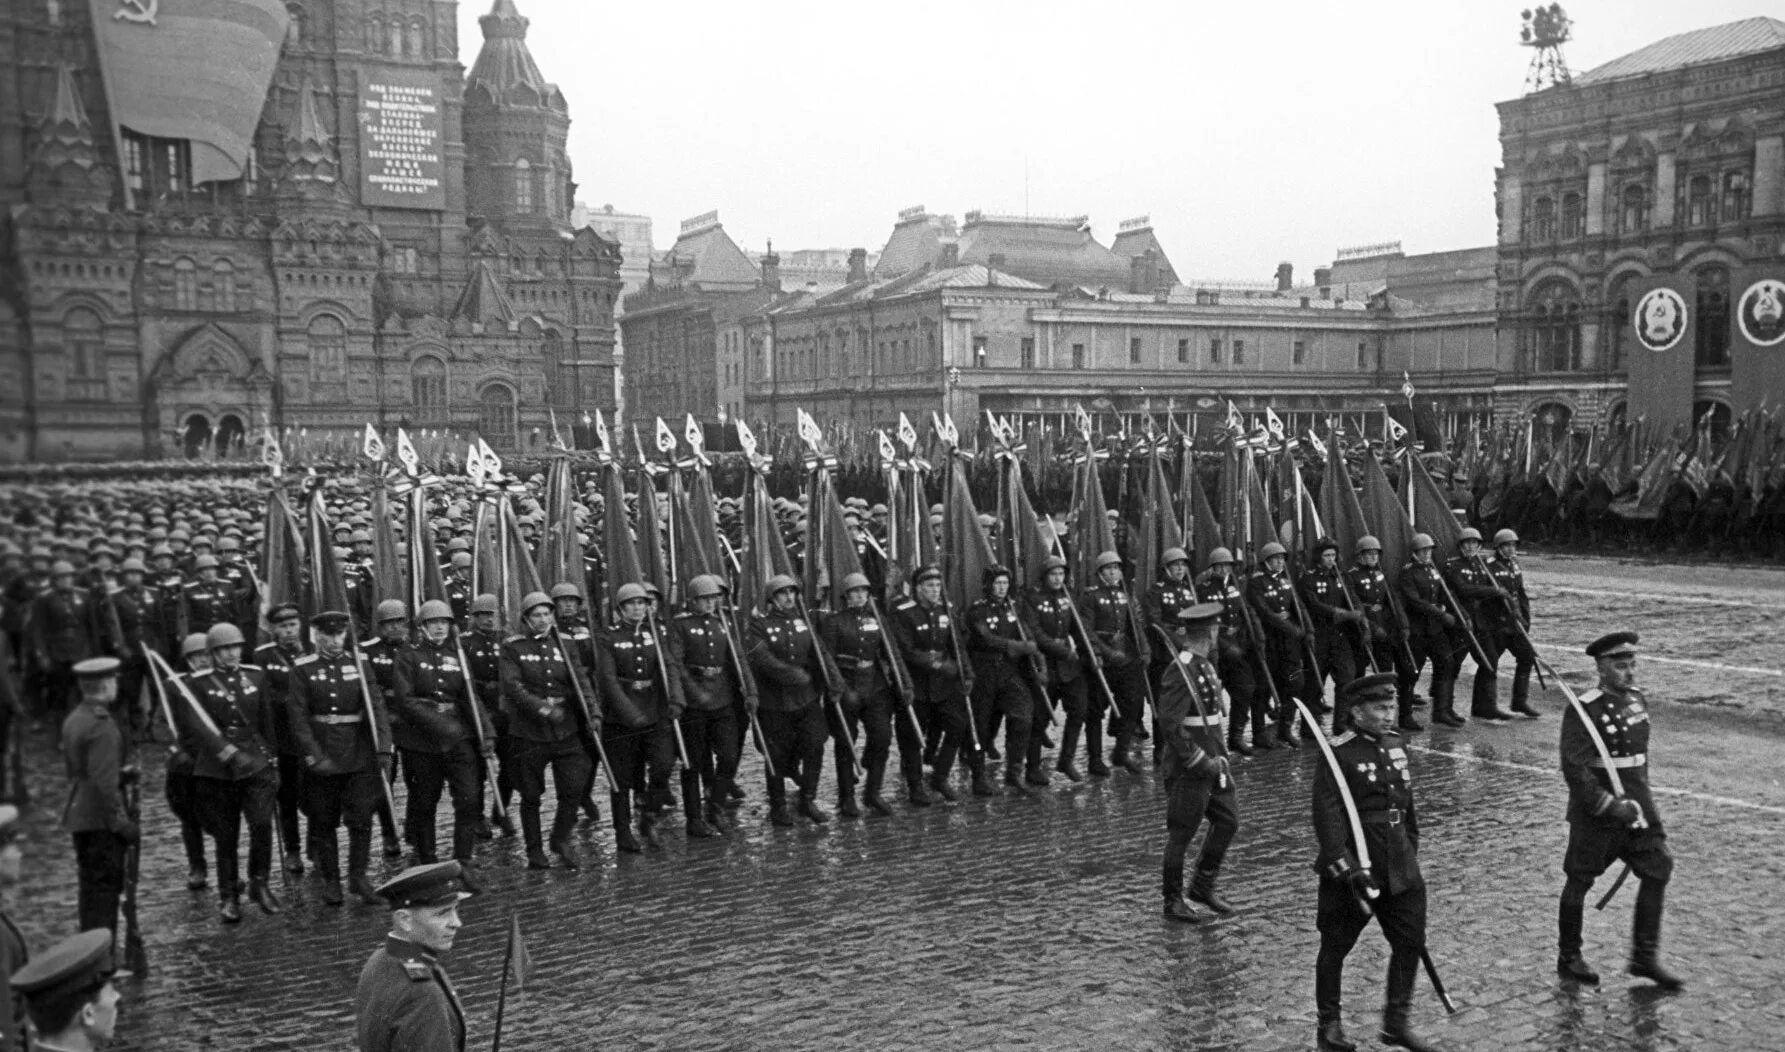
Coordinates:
column 301, row 215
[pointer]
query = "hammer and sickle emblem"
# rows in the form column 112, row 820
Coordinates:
column 140, row 11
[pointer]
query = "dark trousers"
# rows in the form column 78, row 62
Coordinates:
column 869, row 724
column 222, row 806
column 1283, row 664
column 1341, row 919
column 1251, row 699
column 55, row 689
column 1512, row 641
column 180, row 793
column 1592, row 848
column 796, row 745
column 1072, row 697
column 1005, row 694
column 1187, row 802
column 1445, row 655
column 1335, row 659
column 711, row 736
column 99, row 865
column 332, row 800
column 428, row 773
column 291, row 773
column 568, row 760
column 943, row 713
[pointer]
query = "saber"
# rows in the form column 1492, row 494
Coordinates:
column 1611, row 774
column 1425, row 958
column 1351, row 813
column 1195, row 699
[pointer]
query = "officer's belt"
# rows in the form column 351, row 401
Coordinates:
column 352, row 717
column 1389, row 817
column 706, row 671
column 1202, row 721
column 846, row 661
column 1641, row 759
column 638, row 684
column 442, row 707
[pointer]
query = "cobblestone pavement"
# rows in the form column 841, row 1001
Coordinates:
column 1034, row 923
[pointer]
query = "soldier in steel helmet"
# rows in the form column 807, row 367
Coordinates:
column 440, row 734
column 391, row 617
column 1383, row 630
column 1062, row 641
column 854, row 639
column 1001, row 645
column 790, row 674
column 1434, row 629
column 1236, row 656
column 701, row 652
column 1512, row 619
column 1115, row 622
column 1474, row 587
column 1272, row 596
column 927, row 640
column 550, row 706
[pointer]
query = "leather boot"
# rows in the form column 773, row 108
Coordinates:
column 939, row 785
column 1202, row 889
column 1176, row 908
column 1066, row 763
column 621, row 805
column 1094, row 749
column 327, row 856
column 198, row 880
column 1396, row 1033
column 647, row 827
column 846, row 805
column 916, row 794
column 229, row 889
column 1331, row 1038
column 561, row 847
column 1645, row 942
column 813, row 813
column 591, row 810
column 531, row 835
column 1122, row 755
column 229, row 907
column 1237, row 745
column 1034, row 775
column 717, row 818
column 261, row 894
column 778, row 813
column 1569, row 962
column 426, row 841
column 359, row 857
column 504, row 821
column 982, row 786
column 1265, row 739
column 294, row 864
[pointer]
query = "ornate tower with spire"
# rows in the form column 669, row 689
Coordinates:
column 517, row 172
column 66, row 166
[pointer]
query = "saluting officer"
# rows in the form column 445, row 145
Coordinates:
column 1057, row 634
column 404, row 1001
column 439, row 731
column 790, row 672
column 98, row 763
column 926, row 638
column 550, row 706
column 853, row 637
column 1433, row 629
column 1508, row 635
column 1234, row 657
column 1604, row 827
column 640, row 737
column 276, row 658
column 999, row 646
column 1272, row 595
column 1382, row 628
column 1198, row 779
column 700, row 650
column 1115, row 621
column 1374, row 761
column 344, row 753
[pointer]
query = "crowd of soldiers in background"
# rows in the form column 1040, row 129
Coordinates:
column 478, row 628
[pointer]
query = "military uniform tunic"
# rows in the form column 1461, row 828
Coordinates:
column 406, row 1003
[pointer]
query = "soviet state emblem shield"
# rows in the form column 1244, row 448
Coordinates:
column 1660, row 319
column 1761, row 313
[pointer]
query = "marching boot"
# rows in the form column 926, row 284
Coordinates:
column 1034, row 774
column 942, row 770
column 294, row 863
column 1331, row 1038
column 563, row 825
column 1122, row 754
column 425, row 839
column 871, row 797
column 621, row 805
column 647, row 826
column 359, row 857
column 1094, row 749
column 482, row 830
column 694, row 810
column 982, row 786
column 813, row 813
column 1396, row 1033
column 229, row 907
column 261, row 894
column 846, row 805
column 229, row 894
column 326, row 853
column 1645, row 943
column 1236, row 744
column 734, row 796
column 716, row 818
column 194, row 839
column 1066, row 763
column 1569, row 962
column 1202, row 889
column 591, row 809
column 778, row 812
column 1521, row 696
column 916, row 794
column 1175, row 907
column 1265, row 739
column 505, row 820
column 530, row 835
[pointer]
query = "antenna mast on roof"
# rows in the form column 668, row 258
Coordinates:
column 1545, row 30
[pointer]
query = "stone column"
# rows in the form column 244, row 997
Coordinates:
column 1662, row 216
column 1512, row 206
column 1596, row 199
column 1769, row 176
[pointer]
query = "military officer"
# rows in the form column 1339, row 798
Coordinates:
column 1198, row 780
column 405, row 1002
column 68, row 993
column 380, row 656
column 441, row 733
column 1373, row 760
column 928, row 643
column 346, row 749
column 276, row 659
column 1336, row 623
column 1272, row 596
column 1382, row 627
column 1125, row 653
column 855, row 641
column 483, row 652
column 1605, row 826
column 550, row 707
column 61, row 630
column 1515, row 603
column 1235, row 657
column 1002, row 648
column 13, row 951
column 96, row 756
column 1058, row 634
column 700, row 648
column 1433, row 628
column 790, row 672
column 1473, row 585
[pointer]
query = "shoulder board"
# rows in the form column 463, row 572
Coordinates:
column 1343, row 738
column 417, row 971
column 245, row 667
column 367, row 644
column 905, row 604
column 307, row 659
column 516, row 638
column 200, row 674
column 1589, row 696
column 1390, row 732
column 264, row 648
column 684, row 615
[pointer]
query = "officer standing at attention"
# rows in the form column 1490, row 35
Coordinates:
column 1374, row 762
column 1198, row 781
column 68, row 993
column 405, row 1002
column 1604, row 827
column 93, row 749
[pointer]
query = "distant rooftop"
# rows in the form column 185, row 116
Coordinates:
column 1732, row 40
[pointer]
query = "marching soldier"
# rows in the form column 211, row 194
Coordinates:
column 68, row 993
column 182, row 792
column 134, row 621
column 999, row 646
column 95, row 754
column 405, row 1002
column 1335, row 623
column 1474, row 587
column 205, row 600
column 1381, row 627
column 62, row 630
column 1432, row 629
column 853, row 637
column 571, row 618
column 1374, row 761
column 1115, row 620
column 1606, row 827
column 700, row 647
column 1173, row 591
column 380, row 656
column 1057, row 634
column 277, row 658
column 483, row 652
column 1235, row 660
column 1515, row 602
column 643, row 700
column 1273, row 598
column 550, row 706
column 790, row 672
column 234, row 779
column 346, row 749
column 458, row 586
column 1198, row 780
column 441, row 734
column 927, row 641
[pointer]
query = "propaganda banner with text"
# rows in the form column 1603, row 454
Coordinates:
column 1661, row 358
column 1757, row 338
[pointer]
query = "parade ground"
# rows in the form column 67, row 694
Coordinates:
column 1034, row 922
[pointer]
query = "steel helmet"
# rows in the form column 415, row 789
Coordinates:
column 133, row 565
column 1422, row 541
column 1108, row 559
column 435, row 610
column 196, row 643
column 1325, row 544
column 223, row 634
column 1052, row 562
column 1505, row 537
column 1366, row 543
column 629, row 592
column 566, row 590
column 1174, row 555
column 1220, row 557
column 853, row 581
column 780, row 583
column 391, row 610
column 533, row 601
column 487, row 603
column 705, row 586
column 460, row 560
column 1271, row 549
column 203, row 562
column 1470, row 533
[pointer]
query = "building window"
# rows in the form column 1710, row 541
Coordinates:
column 1574, row 217
column 1134, row 350
column 327, row 338
column 1298, row 352
column 1554, row 320
column 136, row 162
column 1214, row 350
column 1618, row 326
column 523, row 186
column 1633, row 215
column 294, row 32
column 83, row 336
column 496, row 416
column 415, row 35
column 185, row 285
column 979, row 351
column 1363, row 356
column 375, row 36
column 223, row 286
column 1711, row 334
column 1078, row 356
column 1183, row 352
column 1239, row 352
column 1028, row 352
column 1736, row 195
column 427, row 385
column 1543, row 219
column 1701, row 203
column 156, row 166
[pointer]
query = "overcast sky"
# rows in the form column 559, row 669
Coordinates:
column 1251, row 133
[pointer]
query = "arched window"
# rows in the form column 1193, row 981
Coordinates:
column 1701, row 201
column 294, row 30
column 415, row 39
column 523, row 186
column 1736, row 195
column 393, row 38
column 1711, row 326
column 427, row 386
column 1543, row 219
column 557, row 385
column 1574, row 216
column 84, row 338
column 1633, row 212
column 223, row 286
column 496, row 416
column 185, row 284
column 327, row 338
column 1553, row 329
column 375, row 36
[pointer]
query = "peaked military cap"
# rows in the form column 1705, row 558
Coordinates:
column 1616, row 644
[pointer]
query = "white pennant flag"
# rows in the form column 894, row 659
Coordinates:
column 1234, row 420
column 271, row 455
column 666, row 439
column 1273, row 423
column 887, row 452
column 1084, row 422
column 601, row 433
column 697, row 439
column 1394, row 429
column 746, row 438
column 474, row 468
column 809, row 430
column 407, row 454
column 373, row 446
column 907, row 433
column 492, row 464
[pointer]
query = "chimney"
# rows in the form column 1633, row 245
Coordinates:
column 1323, row 278
column 771, row 270
column 951, row 255
column 995, row 261
column 1285, row 276
column 858, row 265
column 1143, row 272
